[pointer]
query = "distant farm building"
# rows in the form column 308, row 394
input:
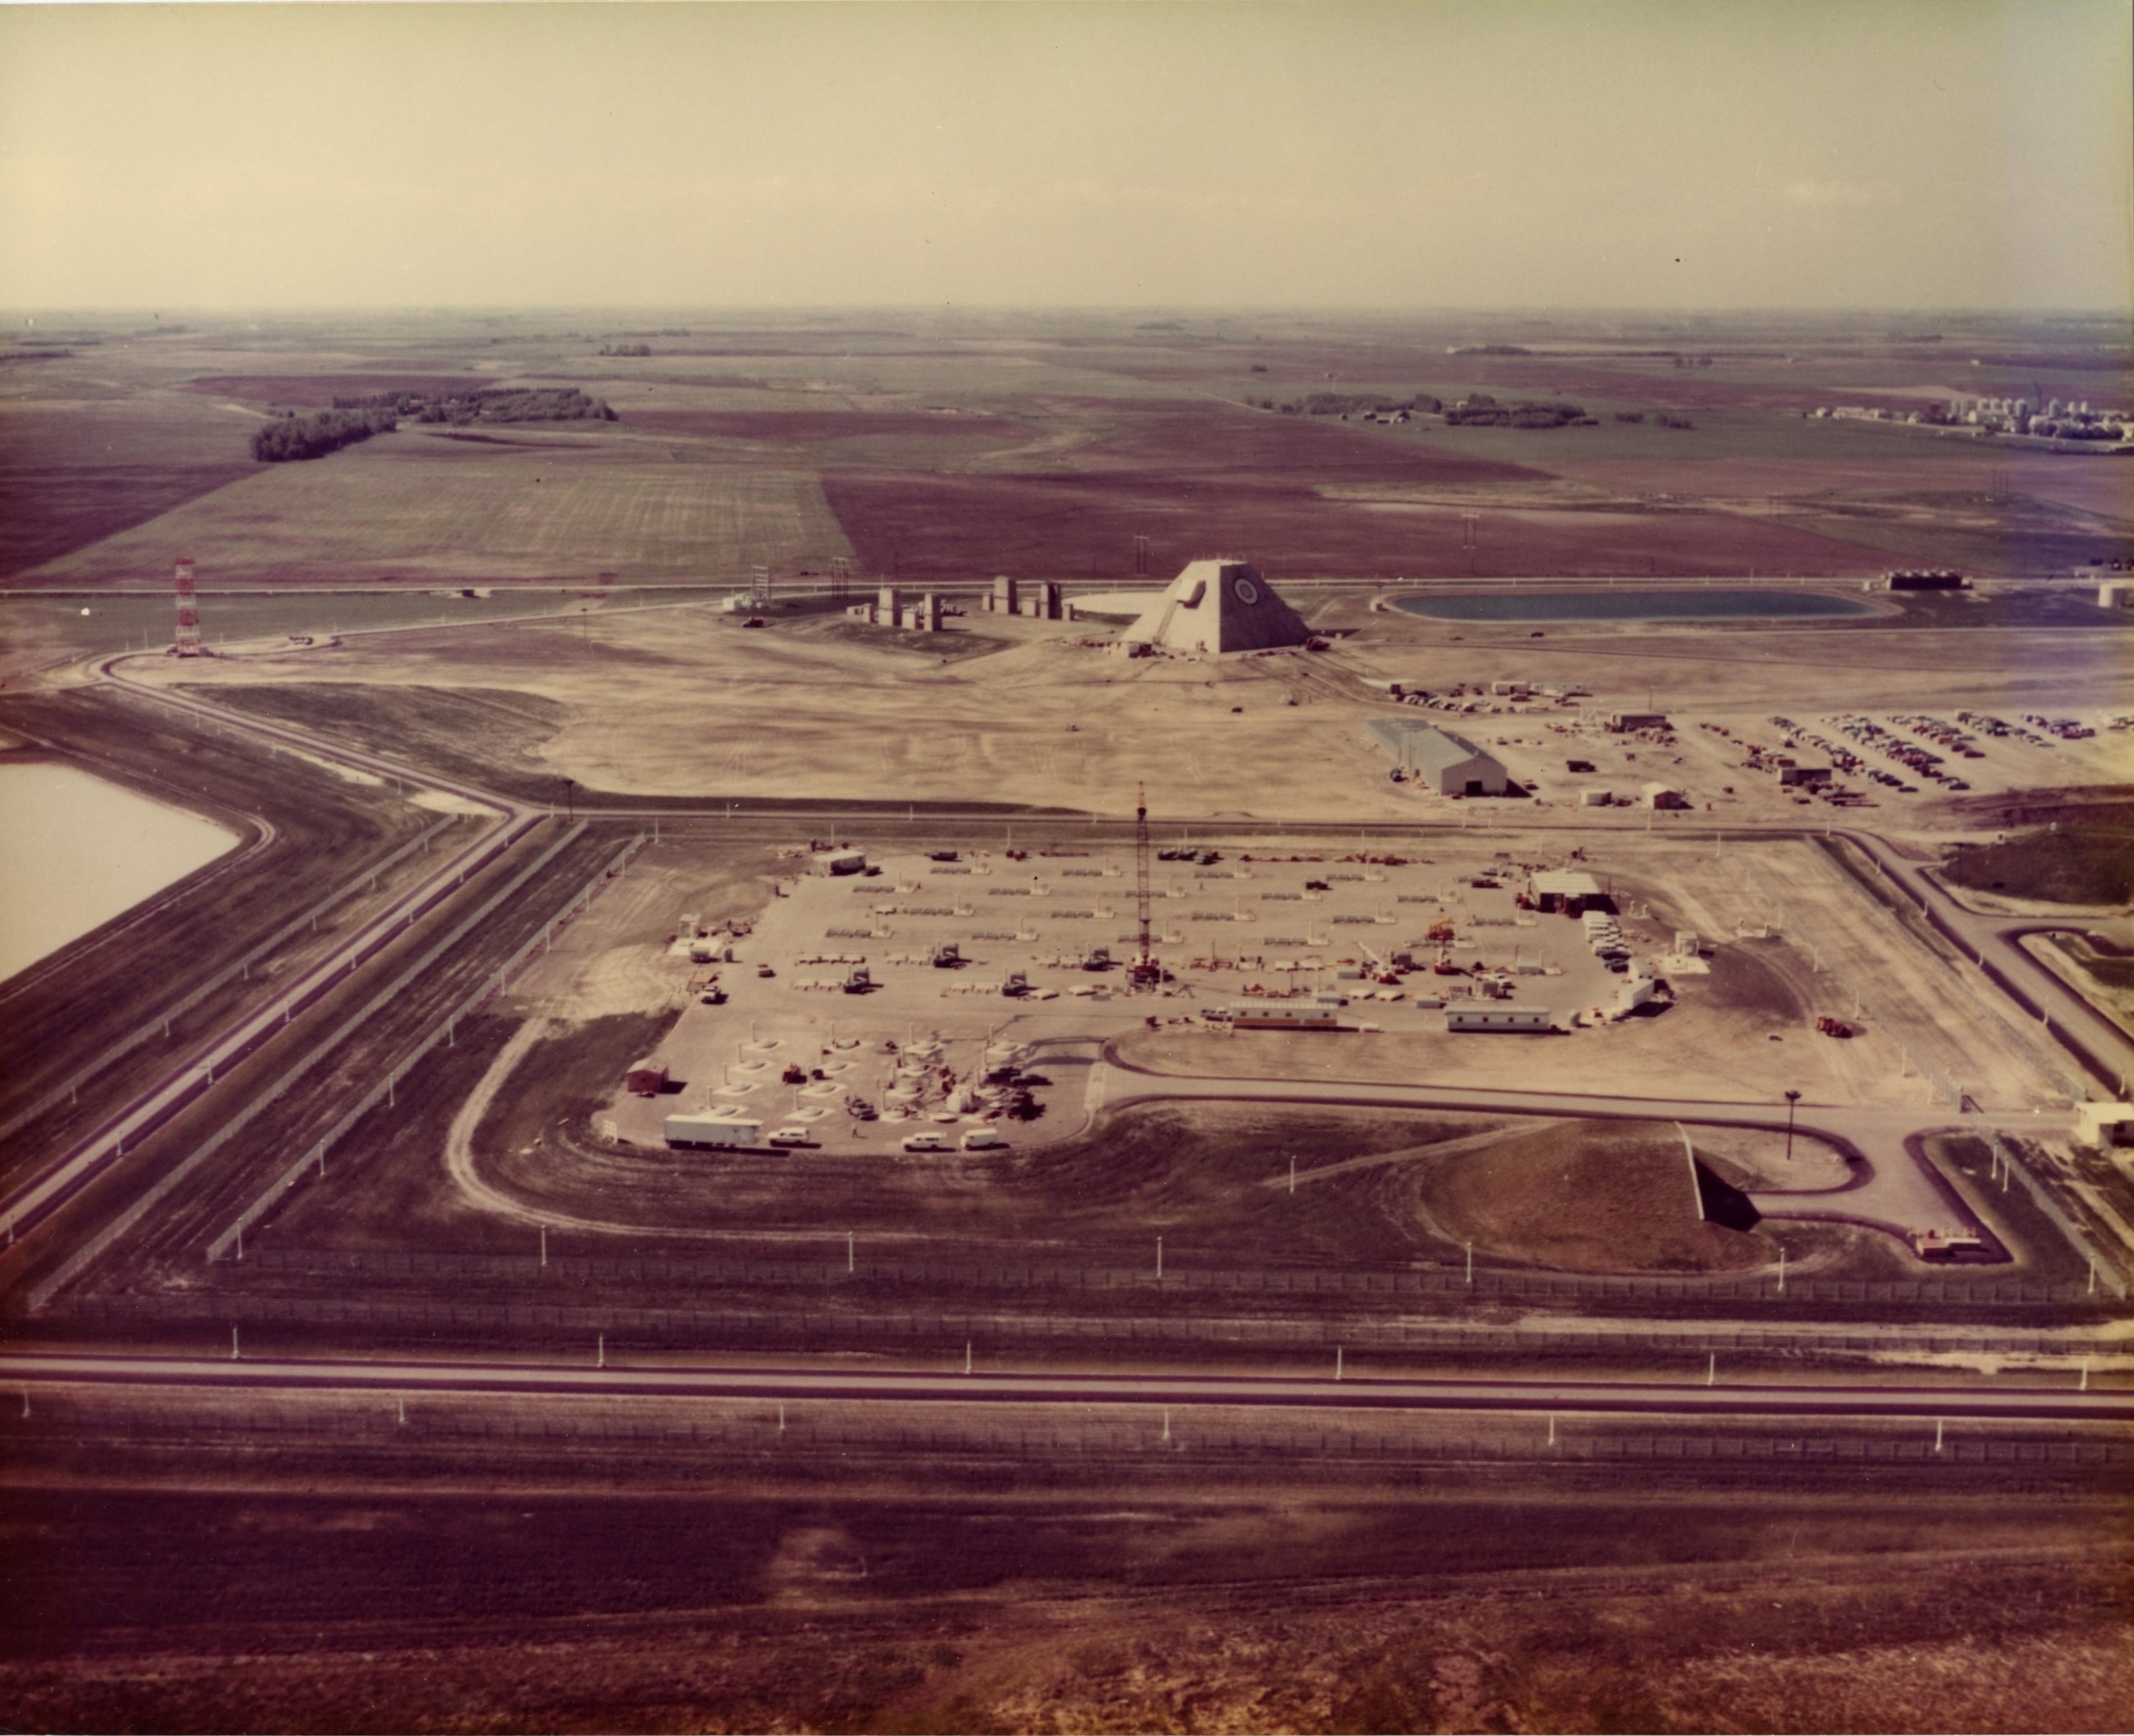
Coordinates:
column 1216, row 607
column 1448, row 764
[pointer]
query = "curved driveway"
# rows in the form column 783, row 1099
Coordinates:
column 1894, row 1185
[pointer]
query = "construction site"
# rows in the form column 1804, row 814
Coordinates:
column 861, row 1095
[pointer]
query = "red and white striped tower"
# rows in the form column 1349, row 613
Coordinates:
column 189, row 639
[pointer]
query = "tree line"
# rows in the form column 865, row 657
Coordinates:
column 487, row 404
column 1478, row 410
column 290, row 436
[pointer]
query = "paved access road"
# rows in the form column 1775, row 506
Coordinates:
column 133, row 1121
column 1893, row 1186
column 2102, row 1048
column 2065, row 1402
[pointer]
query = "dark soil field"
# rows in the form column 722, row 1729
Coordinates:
column 52, row 509
column 916, row 525
column 1266, row 1606
column 78, row 471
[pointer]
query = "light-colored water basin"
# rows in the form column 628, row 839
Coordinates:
column 76, row 851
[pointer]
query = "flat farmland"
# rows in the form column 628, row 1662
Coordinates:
column 1302, row 496
column 317, row 391
column 922, row 526
column 1103, row 1591
column 1201, row 438
column 1943, row 467
column 413, row 506
column 76, row 469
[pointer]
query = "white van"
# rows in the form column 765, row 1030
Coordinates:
column 924, row 1142
column 984, row 1139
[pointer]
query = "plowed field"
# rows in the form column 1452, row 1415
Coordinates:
column 403, row 506
column 818, row 427
column 309, row 391
column 917, row 525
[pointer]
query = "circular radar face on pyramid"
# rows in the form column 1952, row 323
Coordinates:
column 1217, row 607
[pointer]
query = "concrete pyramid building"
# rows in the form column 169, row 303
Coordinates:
column 1216, row 606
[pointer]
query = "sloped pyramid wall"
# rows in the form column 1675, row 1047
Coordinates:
column 1218, row 606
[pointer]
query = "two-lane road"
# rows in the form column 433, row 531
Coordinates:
column 2030, row 1402
column 35, row 1199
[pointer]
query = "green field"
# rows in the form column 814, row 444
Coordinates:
column 410, row 506
column 85, row 622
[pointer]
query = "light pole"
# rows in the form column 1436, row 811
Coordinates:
column 1791, row 1098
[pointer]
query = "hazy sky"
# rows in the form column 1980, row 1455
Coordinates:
column 1652, row 153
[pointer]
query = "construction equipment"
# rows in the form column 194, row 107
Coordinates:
column 1832, row 1027
column 1146, row 972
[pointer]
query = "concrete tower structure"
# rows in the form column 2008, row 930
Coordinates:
column 1218, row 606
column 188, row 642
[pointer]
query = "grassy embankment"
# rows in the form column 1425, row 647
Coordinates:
column 2081, row 864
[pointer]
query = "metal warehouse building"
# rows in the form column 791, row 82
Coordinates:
column 1446, row 763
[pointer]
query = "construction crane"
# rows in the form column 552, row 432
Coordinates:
column 1146, row 972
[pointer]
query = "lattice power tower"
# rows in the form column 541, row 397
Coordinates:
column 188, row 642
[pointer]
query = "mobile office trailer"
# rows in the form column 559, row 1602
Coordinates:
column 1497, row 1018
column 695, row 1131
column 1278, row 1015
